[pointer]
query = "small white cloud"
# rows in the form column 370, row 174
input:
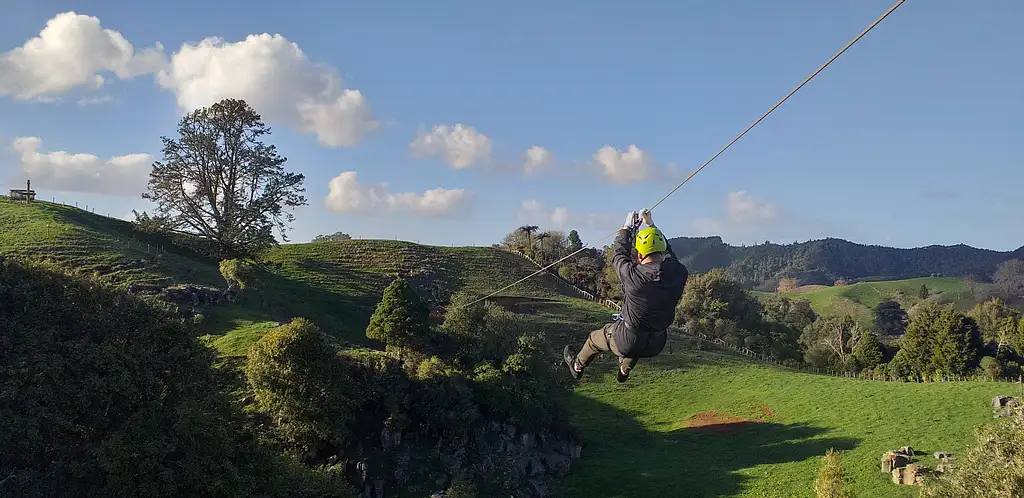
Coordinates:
column 537, row 158
column 536, row 212
column 630, row 166
column 71, row 51
column 461, row 146
column 346, row 195
column 121, row 175
column 741, row 211
column 87, row 101
column 276, row 78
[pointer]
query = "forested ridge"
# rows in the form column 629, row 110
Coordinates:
column 825, row 261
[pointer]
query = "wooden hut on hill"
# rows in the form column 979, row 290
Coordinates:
column 27, row 195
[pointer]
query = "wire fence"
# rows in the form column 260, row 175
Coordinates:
column 125, row 242
column 721, row 343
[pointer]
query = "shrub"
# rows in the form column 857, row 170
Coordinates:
column 299, row 381
column 106, row 394
column 832, row 480
column 991, row 368
column 238, row 274
column 993, row 467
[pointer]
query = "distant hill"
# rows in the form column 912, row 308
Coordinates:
column 822, row 262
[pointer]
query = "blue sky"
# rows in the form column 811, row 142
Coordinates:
column 911, row 138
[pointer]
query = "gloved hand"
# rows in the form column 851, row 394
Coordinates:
column 632, row 220
column 645, row 215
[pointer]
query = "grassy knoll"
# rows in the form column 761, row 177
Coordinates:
column 859, row 300
column 90, row 243
column 335, row 284
column 708, row 424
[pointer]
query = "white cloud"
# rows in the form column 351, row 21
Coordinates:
column 536, row 212
column 632, row 165
column 742, row 211
column 121, row 175
column 460, row 145
column 87, row 101
column 346, row 195
column 71, row 51
column 277, row 79
column 537, row 158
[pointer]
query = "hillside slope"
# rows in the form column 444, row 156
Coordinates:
column 827, row 260
column 702, row 424
column 860, row 299
column 336, row 284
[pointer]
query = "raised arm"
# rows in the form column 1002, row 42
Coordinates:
column 622, row 257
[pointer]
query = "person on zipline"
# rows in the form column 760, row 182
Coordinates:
column 651, row 289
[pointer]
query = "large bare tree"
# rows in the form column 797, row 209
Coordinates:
column 220, row 182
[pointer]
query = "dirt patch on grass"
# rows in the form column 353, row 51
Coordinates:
column 715, row 421
column 766, row 412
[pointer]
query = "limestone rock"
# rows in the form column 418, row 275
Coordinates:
column 893, row 460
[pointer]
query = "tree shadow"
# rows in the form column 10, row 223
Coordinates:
column 621, row 458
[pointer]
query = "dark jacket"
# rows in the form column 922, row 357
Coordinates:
column 650, row 294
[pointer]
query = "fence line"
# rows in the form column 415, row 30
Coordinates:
column 608, row 303
column 717, row 341
column 127, row 242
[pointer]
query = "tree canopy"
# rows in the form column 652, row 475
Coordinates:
column 219, row 181
column 890, row 318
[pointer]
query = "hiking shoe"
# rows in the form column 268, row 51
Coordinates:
column 570, row 359
column 621, row 377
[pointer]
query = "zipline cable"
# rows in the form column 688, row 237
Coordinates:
column 734, row 140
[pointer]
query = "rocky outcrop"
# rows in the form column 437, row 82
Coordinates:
column 1005, row 406
column 523, row 464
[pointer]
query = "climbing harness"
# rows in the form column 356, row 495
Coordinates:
column 734, row 140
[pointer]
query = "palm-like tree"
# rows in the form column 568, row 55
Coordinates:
column 539, row 239
column 529, row 230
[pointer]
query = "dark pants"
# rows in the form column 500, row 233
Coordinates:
column 603, row 340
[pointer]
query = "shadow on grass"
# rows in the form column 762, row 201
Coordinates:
column 343, row 316
column 624, row 459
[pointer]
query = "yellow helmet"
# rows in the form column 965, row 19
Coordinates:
column 650, row 240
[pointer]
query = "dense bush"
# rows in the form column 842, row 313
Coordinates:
column 238, row 273
column 993, row 467
column 441, row 385
column 104, row 394
column 297, row 379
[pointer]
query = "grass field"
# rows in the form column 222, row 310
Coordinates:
column 706, row 424
column 859, row 300
column 686, row 424
column 335, row 284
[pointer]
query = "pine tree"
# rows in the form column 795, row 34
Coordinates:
column 916, row 345
column 890, row 318
column 957, row 343
column 401, row 319
column 923, row 293
column 868, row 351
column 575, row 244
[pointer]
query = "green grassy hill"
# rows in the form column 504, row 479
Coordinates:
column 699, row 424
column 335, row 284
column 859, row 299
column 689, row 423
